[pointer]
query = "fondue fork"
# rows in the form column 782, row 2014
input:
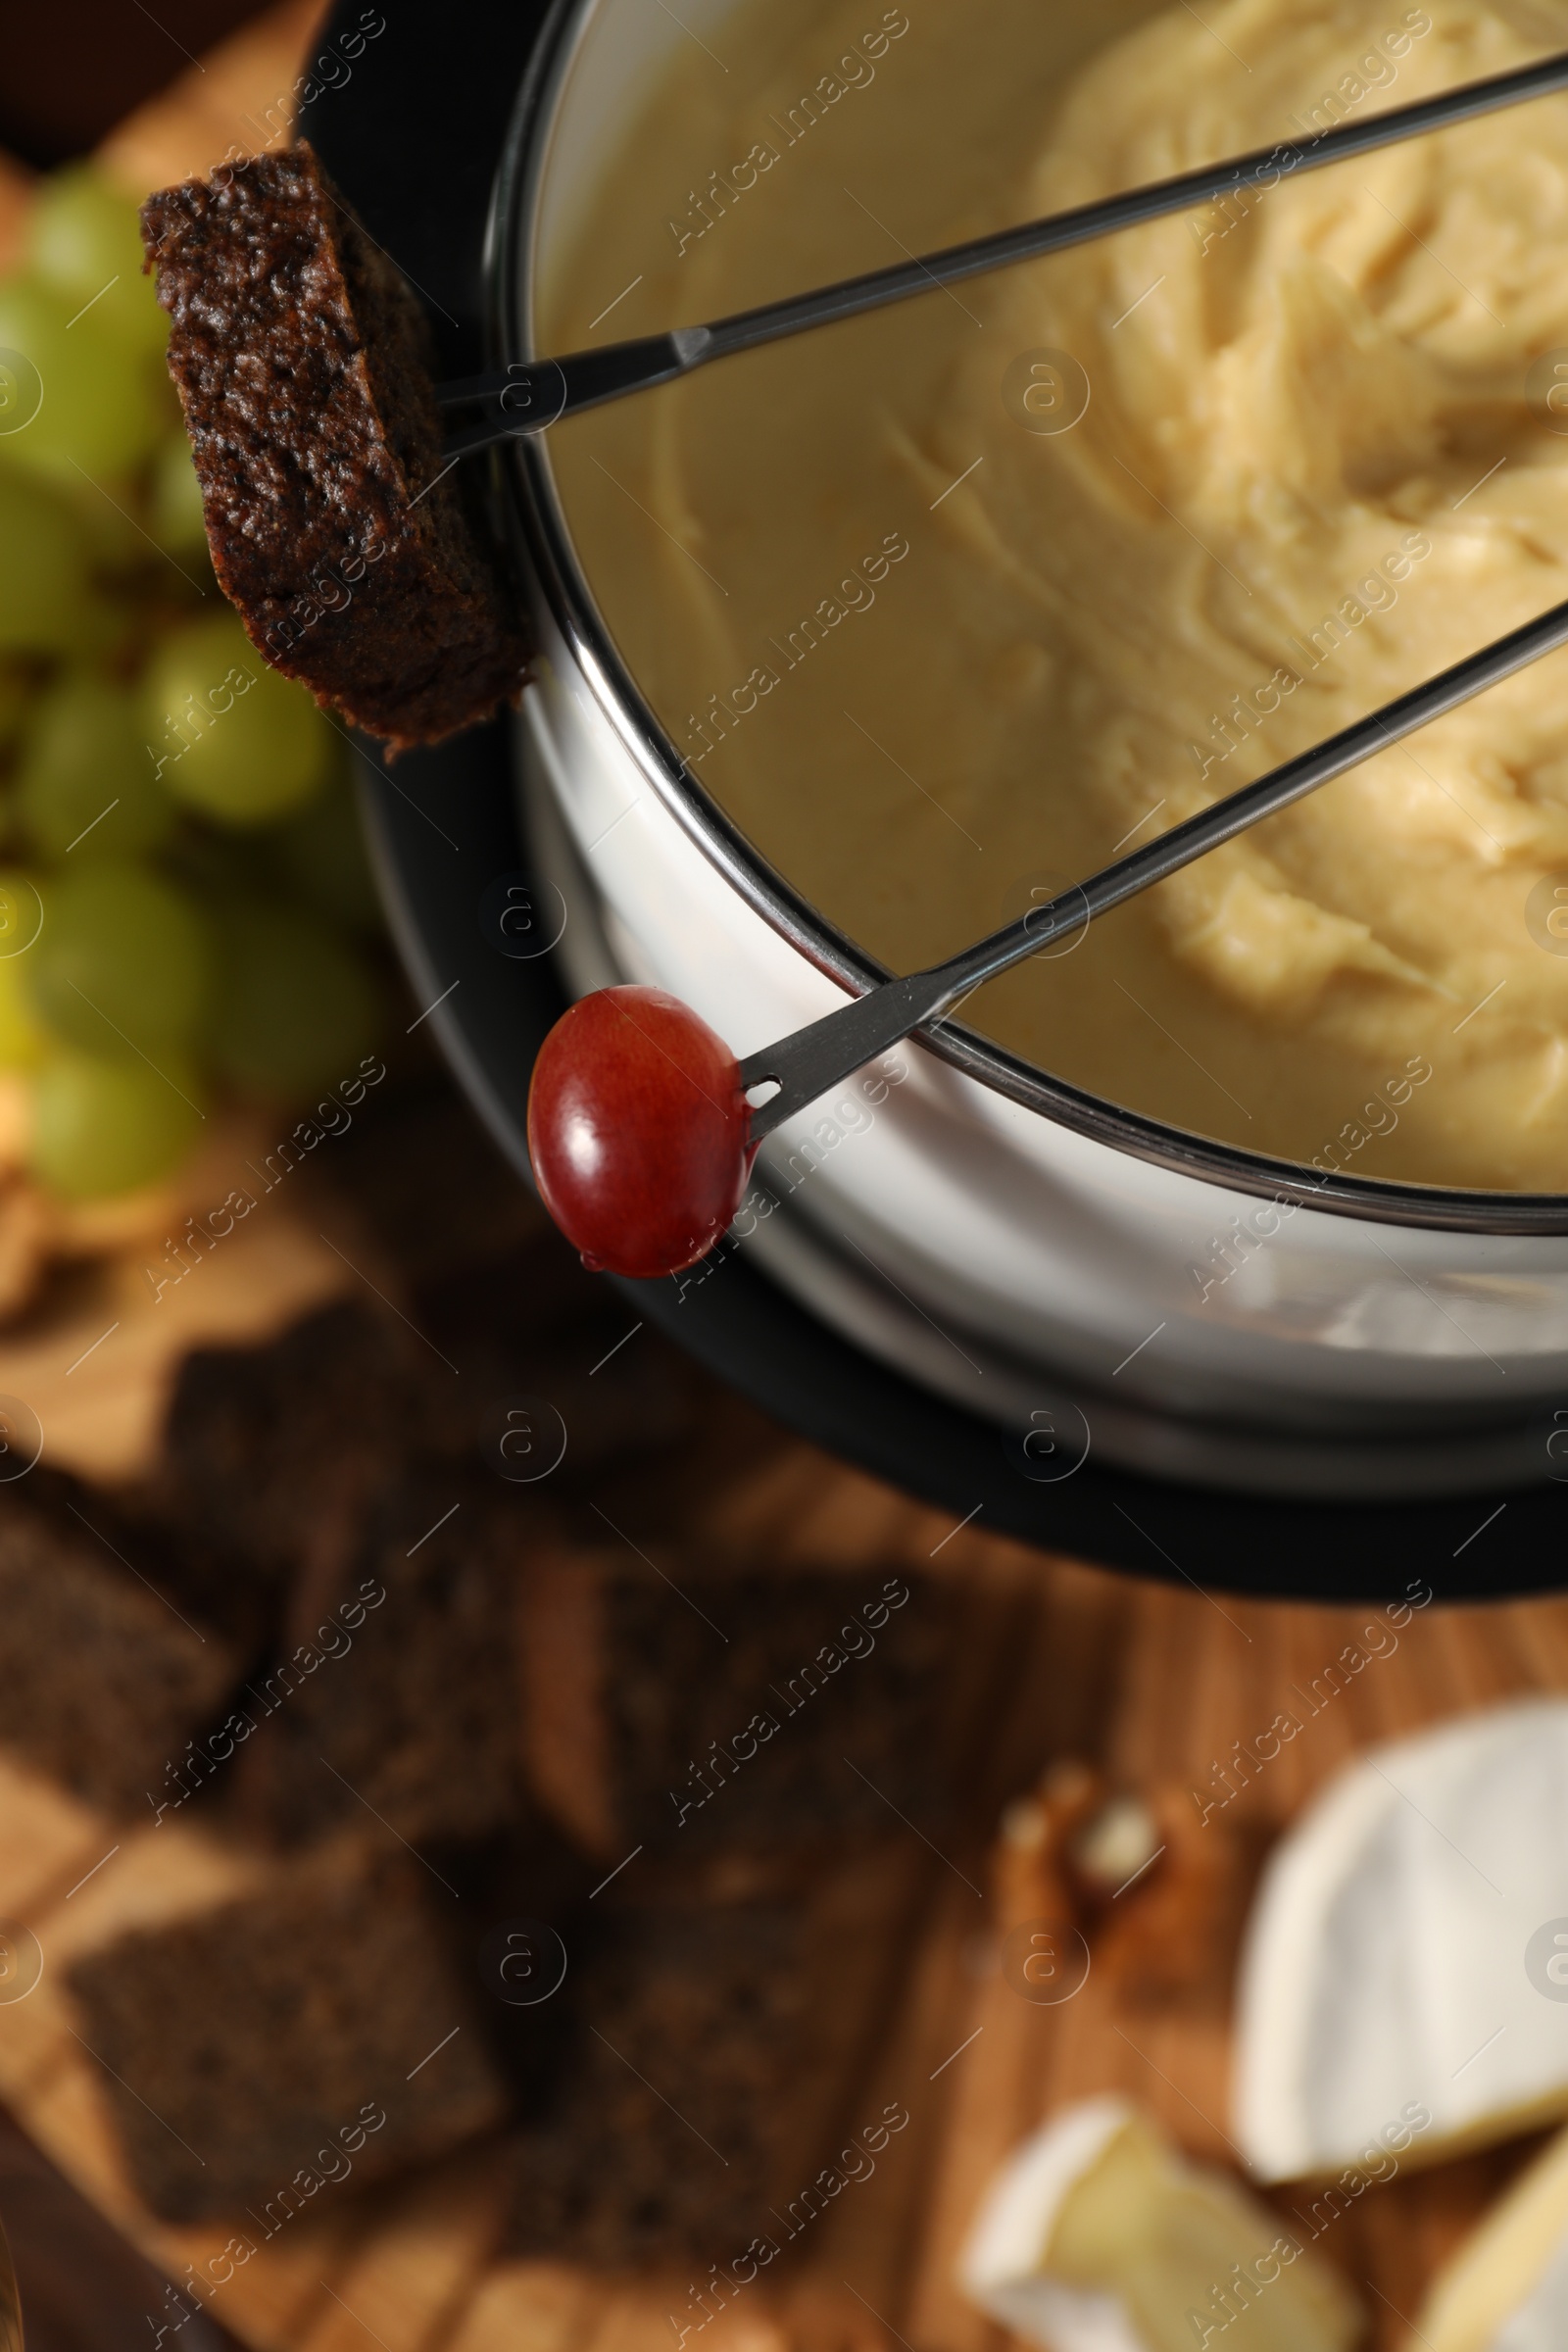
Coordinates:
column 529, row 394
column 642, row 1124
column 814, row 1059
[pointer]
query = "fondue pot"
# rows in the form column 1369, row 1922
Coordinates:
column 973, row 1278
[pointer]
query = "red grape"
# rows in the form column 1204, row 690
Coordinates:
column 638, row 1131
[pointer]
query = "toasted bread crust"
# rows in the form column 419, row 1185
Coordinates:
column 358, row 565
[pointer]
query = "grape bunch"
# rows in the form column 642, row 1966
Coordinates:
column 186, row 915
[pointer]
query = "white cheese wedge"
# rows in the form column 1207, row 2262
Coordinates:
column 1506, row 2288
column 1384, row 1974
column 1099, row 2236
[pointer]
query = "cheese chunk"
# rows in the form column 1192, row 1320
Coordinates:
column 1506, row 2289
column 1099, row 2236
column 1387, row 2003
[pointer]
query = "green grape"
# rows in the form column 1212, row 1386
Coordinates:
column 213, row 866
column 116, row 543
column 23, row 1044
column 322, row 856
column 295, row 1006
column 85, row 242
column 236, row 740
column 101, row 412
column 20, row 914
column 15, row 697
column 44, row 585
column 102, row 1127
column 176, row 499
column 122, row 964
column 84, row 786
column 107, row 634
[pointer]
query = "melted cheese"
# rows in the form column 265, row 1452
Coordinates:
column 929, row 655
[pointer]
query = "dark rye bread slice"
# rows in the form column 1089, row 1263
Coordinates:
column 532, row 1322
column 303, row 365
column 261, row 2051
column 395, row 1685
column 278, row 1453
column 717, row 2098
column 757, row 1710
column 103, row 1680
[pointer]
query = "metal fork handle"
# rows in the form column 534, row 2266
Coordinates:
column 814, row 1059
column 532, row 395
